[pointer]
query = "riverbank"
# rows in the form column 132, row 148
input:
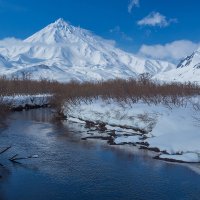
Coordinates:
column 21, row 102
column 171, row 131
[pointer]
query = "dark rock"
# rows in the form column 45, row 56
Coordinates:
column 150, row 148
column 98, row 137
column 101, row 127
column 28, row 107
column 146, row 144
column 170, row 160
column 17, row 109
column 61, row 116
column 89, row 124
column 112, row 133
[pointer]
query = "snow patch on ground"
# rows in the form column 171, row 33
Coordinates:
column 186, row 157
column 22, row 100
column 114, row 114
column 126, row 140
column 172, row 129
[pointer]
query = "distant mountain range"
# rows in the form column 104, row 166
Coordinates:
column 187, row 70
column 63, row 52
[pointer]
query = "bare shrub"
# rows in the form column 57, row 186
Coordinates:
column 126, row 91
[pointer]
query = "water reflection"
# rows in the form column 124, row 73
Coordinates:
column 69, row 168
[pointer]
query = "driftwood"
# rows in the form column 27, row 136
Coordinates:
column 6, row 149
column 3, row 151
column 15, row 158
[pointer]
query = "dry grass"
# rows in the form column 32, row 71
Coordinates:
column 121, row 90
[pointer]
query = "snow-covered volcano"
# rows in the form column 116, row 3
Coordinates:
column 4, row 63
column 187, row 70
column 63, row 52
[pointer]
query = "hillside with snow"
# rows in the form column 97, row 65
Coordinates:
column 187, row 70
column 63, row 52
column 172, row 131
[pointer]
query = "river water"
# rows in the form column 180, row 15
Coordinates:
column 69, row 168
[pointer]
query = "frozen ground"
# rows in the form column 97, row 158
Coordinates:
column 174, row 130
column 23, row 100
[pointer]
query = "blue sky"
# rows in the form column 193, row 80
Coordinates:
column 150, row 27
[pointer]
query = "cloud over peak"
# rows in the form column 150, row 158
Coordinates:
column 174, row 51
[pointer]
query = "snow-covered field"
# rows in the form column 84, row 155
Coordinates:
column 175, row 131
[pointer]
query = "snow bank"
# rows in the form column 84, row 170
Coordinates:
column 113, row 113
column 126, row 140
column 186, row 157
column 177, row 130
column 23, row 100
column 174, row 130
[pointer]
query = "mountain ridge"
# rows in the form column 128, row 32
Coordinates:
column 73, row 53
column 188, row 70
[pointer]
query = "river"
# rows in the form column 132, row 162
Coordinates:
column 73, row 169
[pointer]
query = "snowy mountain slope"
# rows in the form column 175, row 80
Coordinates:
column 4, row 63
column 63, row 52
column 187, row 70
column 191, row 61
